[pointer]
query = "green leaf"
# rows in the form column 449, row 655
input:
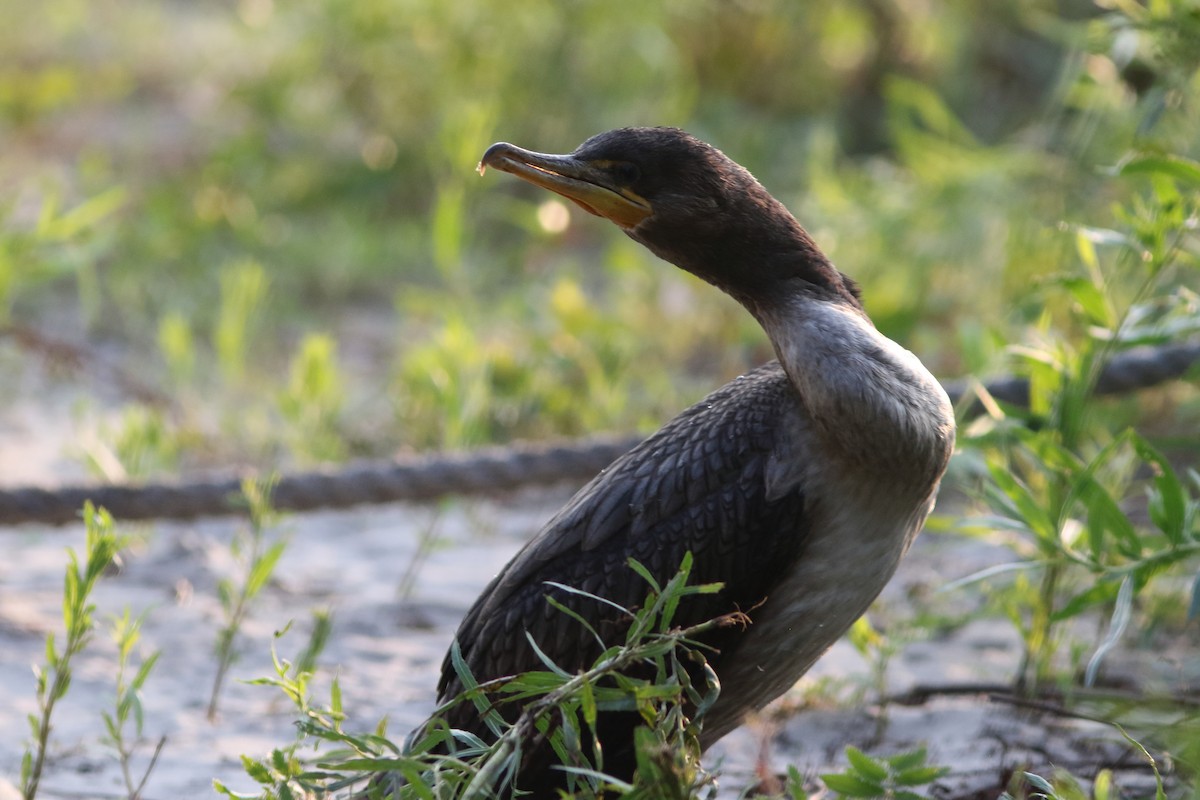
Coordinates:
column 675, row 592
column 641, row 570
column 853, row 786
column 1090, row 297
column 412, row 776
column 1098, row 593
column 84, row 216
column 988, row 572
column 588, row 704
column 1105, row 514
column 262, row 569
column 1022, row 504
column 572, row 590
column 139, row 718
column 866, row 766
column 144, row 670
column 62, row 682
column 257, row 771
column 1122, row 610
column 795, row 784
column 110, row 725
column 1174, row 166
column 1038, row 782
column 904, row 761
column 470, row 687
column 573, row 614
column 1168, row 501
column 51, row 652
column 918, row 776
column 545, row 659
column 222, row 789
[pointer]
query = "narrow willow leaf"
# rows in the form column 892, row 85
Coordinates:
column 144, row 670
column 262, row 569
column 1121, row 614
column 545, row 659
column 641, row 570
column 589, row 596
column 1105, row 515
column 470, row 686
column 588, row 704
column 1028, row 508
column 51, row 651
column 575, row 615
column 1102, row 592
column 984, row 574
column 1168, row 501
column 1091, row 298
column 110, row 725
column 1038, row 782
column 1159, row 792
column 412, row 777
column 62, row 683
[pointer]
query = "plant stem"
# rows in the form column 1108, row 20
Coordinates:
column 102, row 546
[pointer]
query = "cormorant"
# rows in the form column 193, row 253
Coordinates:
column 799, row 485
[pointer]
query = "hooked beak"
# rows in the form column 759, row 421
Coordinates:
column 586, row 183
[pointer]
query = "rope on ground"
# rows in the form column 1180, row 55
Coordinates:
column 1139, row 368
column 417, row 478
column 491, row 469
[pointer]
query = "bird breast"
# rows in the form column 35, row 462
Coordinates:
column 880, row 432
column 859, row 532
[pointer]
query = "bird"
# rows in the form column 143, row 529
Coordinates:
column 798, row 486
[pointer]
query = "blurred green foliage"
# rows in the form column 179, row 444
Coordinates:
column 1065, row 477
column 269, row 211
column 210, row 185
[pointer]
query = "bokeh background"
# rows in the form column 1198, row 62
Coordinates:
column 254, row 230
column 250, row 234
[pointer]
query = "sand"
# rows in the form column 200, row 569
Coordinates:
column 386, row 649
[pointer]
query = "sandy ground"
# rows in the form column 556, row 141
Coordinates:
column 386, row 650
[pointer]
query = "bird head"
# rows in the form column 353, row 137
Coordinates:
column 690, row 204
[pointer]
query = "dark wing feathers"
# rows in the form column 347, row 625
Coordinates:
column 720, row 480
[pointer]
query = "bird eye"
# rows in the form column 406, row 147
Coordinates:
column 626, row 172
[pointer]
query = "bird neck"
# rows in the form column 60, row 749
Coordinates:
column 871, row 400
column 753, row 248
